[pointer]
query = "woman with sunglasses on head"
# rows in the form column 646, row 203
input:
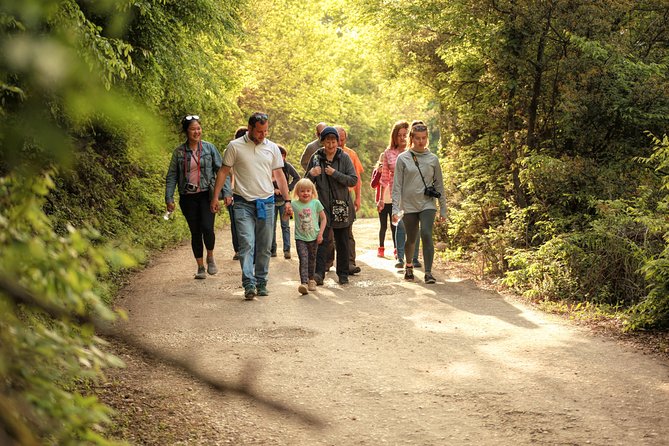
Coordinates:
column 418, row 182
column 192, row 172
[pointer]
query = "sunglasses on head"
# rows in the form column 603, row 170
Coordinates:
column 258, row 117
column 191, row 117
column 419, row 128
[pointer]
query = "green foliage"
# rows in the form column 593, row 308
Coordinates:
column 69, row 106
column 654, row 309
column 544, row 108
column 39, row 356
column 329, row 67
column 187, row 60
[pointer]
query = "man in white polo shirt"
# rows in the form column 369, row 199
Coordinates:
column 255, row 160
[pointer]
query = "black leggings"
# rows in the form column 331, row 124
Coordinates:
column 195, row 208
column 385, row 216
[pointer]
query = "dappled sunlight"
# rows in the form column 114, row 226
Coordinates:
column 430, row 321
column 457, row 369
column 419, row 291
column 331, row 292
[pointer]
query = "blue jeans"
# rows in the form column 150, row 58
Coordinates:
column 285, row 228
column 400, row 241
column 253, row 232
column 233, row 228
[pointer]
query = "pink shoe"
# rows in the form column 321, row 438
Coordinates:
column 380, row 252
column 395, row 253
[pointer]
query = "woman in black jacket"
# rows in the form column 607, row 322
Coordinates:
column 333, row 173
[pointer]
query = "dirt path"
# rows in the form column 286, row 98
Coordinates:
column 380, row 360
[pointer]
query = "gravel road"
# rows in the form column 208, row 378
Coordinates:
column 379, row 361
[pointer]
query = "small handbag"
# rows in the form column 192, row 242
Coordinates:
column 376, row 178
column 339, row 210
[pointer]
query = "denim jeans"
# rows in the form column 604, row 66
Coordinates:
column 233, row 228
column 400, row 242
column 285, row 228
column 253, row 232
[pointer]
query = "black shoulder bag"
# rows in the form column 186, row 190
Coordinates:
column 339, row 210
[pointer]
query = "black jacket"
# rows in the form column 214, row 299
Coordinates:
column 335, row 186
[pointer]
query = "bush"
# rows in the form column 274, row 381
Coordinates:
column 41, row 356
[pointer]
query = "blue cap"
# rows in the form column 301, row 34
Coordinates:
column 329, row 131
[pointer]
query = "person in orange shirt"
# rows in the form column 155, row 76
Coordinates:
column 357, row 165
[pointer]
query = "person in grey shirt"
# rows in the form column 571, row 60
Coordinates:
column 312, row 146
column 418, row 182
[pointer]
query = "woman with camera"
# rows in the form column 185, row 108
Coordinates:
column 417, row 184
column 332, row 171
column 192, row 171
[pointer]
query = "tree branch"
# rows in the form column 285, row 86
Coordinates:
column 19, row 295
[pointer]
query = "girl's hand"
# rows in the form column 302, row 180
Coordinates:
column 315, row 171
column 319, row 239
column 288, row 212
column 380, row 205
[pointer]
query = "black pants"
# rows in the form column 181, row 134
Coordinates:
column 384, row 216
column 195, row 208
column 341, row 246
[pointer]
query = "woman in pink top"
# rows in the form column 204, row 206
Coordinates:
column 397, row 145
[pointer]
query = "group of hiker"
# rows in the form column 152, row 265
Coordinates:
column 260, row 189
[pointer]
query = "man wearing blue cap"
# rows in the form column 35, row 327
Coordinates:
column 333, row 173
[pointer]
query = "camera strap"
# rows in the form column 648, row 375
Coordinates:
column 187, row 162
column 415, row 160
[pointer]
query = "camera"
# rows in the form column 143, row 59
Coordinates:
column 323, row 160
column 190, row 187
column 430, row 191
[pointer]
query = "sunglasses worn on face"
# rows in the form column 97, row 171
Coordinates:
column 191, row 117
